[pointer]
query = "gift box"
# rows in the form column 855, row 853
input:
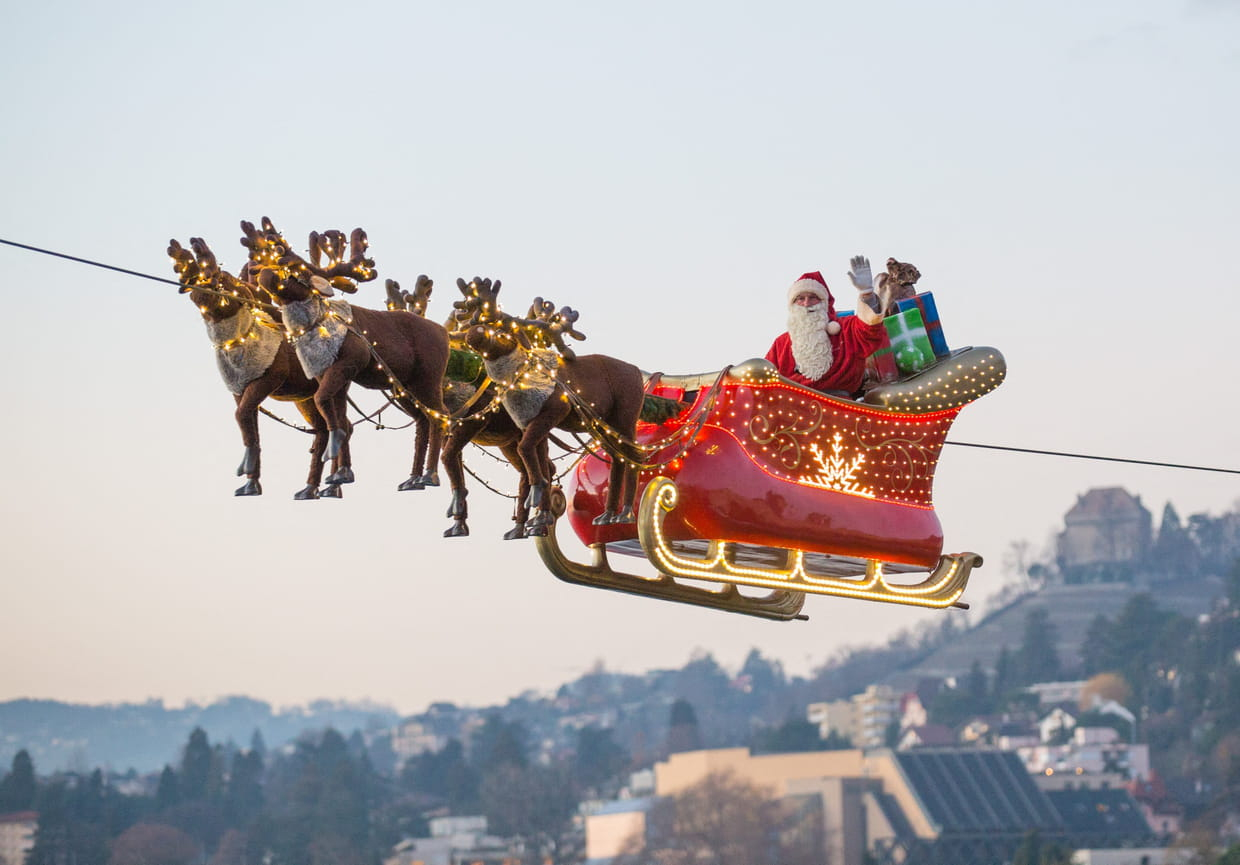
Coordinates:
column 909, row 343
column 924, row 303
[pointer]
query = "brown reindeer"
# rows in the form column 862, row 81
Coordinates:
column 340, row 344
column 254, row 359
column 544, row 388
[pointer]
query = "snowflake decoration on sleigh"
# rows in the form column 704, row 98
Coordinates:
column 835, row 473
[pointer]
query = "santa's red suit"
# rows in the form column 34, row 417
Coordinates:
column 821, row 351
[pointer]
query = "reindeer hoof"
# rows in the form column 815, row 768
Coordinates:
column 331, row 491
column 516, row 533
column 431, row 479
column 606, row 518
column 251, row 488
column 344, row 476
column 413, row 482
column 536, row 532
column 249, row 462
column 306, row 494
column 458, row 530
column 625, row 516
column 540, row 520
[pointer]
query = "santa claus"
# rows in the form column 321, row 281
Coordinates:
column 819, row 350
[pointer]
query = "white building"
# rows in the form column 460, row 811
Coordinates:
column 411, row 738
column 1093, row 751
column 17, row 836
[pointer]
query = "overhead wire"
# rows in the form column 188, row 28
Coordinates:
column 1008, row 448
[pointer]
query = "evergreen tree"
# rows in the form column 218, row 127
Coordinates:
column 793, row 735
column 18, row 789
column 168, row 794
column 599, row 758
column 1097, row 651
column 498, row 743
column 195, row 774
column 682, row 733
column 1174, row 553
column 258, row 745
column 244, row 797
column 1037, row 659
column 444, row 774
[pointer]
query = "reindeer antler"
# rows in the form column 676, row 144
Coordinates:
column 339, row 272
column 480, row 304
column 546, row 328
column 421, row 297
column 185, row 265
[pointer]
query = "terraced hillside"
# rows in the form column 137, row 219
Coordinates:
column 1071, row 609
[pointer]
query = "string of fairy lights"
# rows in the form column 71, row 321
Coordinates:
column 602, row 434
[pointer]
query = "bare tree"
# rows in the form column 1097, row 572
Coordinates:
column 725, row 820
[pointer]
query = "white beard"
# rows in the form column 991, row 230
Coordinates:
column 811, row 344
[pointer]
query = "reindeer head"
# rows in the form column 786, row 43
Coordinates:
column 493, row 341
column 217, row 294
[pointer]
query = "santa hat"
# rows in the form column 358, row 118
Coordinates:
column 816, row 285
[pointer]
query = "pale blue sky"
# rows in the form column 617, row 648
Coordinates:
column 1063, row 174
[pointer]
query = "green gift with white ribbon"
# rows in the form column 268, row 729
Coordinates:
column 909, row 342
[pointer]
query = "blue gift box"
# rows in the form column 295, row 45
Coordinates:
column 924, row 303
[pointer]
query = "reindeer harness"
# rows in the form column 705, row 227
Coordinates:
column 316, row 329
column 245, row 345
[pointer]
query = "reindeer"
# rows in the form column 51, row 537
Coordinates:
column 543, row 382
column 339, row 344
column 254, row 359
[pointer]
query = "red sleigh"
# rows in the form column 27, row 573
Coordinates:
column 760, row 482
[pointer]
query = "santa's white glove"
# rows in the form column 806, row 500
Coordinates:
column 860, row 273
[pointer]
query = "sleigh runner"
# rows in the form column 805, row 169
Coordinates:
column 760, row 482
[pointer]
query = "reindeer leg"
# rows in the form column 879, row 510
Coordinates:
column 532, row 447
column 521, row 511
column 330, row 400
column 429, row 392
column 454, row 467
column 416, row 480
column 313, row 417
column 248, row 402
column 342, row 466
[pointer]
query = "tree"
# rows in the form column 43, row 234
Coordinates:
column 599, row 758
column 682, row 728
column 244, row 795
column 1037, row 658
column 18, row 789
column 723, row 820
column 154, row 844
column 195, row 774
column 445, row 775
column 535, row 803
column 498, row 743
column 1103, row 687
column 793, row 735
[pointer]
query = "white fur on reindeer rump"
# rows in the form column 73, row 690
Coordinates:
column 315, row 335
column 524, row 400
column 245, row 345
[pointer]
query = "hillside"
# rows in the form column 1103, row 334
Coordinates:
column 1071, row 608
